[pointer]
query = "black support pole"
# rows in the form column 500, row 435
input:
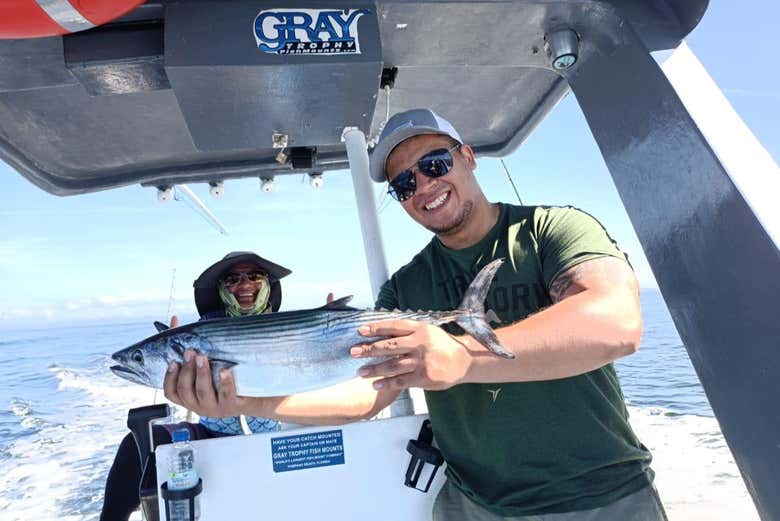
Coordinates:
column 717, row 268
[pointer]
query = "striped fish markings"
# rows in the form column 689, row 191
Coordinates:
column 289, row 352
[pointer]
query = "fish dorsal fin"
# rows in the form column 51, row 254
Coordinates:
column 160, row 327
column 339, row 304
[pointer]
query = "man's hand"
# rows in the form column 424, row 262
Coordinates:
column 190, row 386
column 423, row 356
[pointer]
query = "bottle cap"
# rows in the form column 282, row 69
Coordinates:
column 181, row 435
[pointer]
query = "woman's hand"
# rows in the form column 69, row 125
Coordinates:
column 190, row 386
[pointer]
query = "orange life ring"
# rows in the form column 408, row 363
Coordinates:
column 37, row 18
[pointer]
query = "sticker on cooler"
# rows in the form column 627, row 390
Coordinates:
column 306, row 451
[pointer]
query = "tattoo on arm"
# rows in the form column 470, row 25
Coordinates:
column 560, row 287
column 603, row 272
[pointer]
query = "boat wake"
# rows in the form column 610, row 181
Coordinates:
column 696, row 475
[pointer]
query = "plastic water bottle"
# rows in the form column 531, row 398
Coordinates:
column 182, row 475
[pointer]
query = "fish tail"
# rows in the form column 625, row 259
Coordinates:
column 472, row 317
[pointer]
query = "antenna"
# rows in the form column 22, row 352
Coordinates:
column 200, row 207
column 170, row 295
column 167, row 316
column 509, row 177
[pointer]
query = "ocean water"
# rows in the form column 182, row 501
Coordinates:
column 62, row 415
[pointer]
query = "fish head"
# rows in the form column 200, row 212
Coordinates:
column 147, row 361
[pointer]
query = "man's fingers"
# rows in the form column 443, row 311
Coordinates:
column 227, row 386
column 393, row 346
column 392, row 367
column 174, row 321
column 204, row 387
column 169, row 384
column 329, row 298
column 390, row 328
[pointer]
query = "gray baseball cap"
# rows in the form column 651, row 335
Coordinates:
column 401, row 127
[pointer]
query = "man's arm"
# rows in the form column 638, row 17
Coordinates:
column 347, row 402
column 595, row 318
column 190, row 386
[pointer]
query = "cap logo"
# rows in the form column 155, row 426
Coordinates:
column 408, row 124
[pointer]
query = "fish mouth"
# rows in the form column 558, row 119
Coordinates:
column 123, row 371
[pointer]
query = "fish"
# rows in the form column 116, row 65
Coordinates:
column 278, row 354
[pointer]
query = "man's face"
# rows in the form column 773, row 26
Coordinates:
column 444, row 204
column 245, row 290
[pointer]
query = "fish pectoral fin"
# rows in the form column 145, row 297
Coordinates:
column 217, row 365
column 221, row 363
column 178, row 347
column 339, row 304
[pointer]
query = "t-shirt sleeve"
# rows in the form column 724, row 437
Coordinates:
column 566, row 237
column 387, row 298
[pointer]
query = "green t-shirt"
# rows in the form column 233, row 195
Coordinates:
column 532, row 447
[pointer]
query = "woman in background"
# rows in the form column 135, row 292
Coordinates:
column 242, row 283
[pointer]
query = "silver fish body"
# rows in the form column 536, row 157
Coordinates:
column 290, row 352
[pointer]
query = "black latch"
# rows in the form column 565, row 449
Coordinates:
column 388, row 77
column 303, row 158
column 423, row 452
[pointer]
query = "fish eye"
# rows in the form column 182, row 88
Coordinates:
column 137, row 356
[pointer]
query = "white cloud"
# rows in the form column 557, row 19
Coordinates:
column 106, row 307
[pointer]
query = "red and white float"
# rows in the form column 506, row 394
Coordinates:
column 38, row 18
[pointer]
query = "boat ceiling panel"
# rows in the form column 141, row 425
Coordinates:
column 176, row 92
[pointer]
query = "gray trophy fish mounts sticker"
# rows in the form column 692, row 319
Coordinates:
column 308, row 31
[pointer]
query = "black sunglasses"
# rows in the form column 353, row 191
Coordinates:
column 435, row 163
column 231, row 279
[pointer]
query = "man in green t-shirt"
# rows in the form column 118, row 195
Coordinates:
column 543, row 434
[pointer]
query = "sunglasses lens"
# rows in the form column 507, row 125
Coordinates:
column 255, row 276
column 232, row 279
column 436, row 163
column 402, row 187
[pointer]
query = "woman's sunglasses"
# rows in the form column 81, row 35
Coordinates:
column 231, row 279
column 435, row 163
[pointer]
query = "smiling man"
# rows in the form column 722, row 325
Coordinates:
column 543, row 436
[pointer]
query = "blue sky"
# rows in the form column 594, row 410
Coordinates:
column 111, row 255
